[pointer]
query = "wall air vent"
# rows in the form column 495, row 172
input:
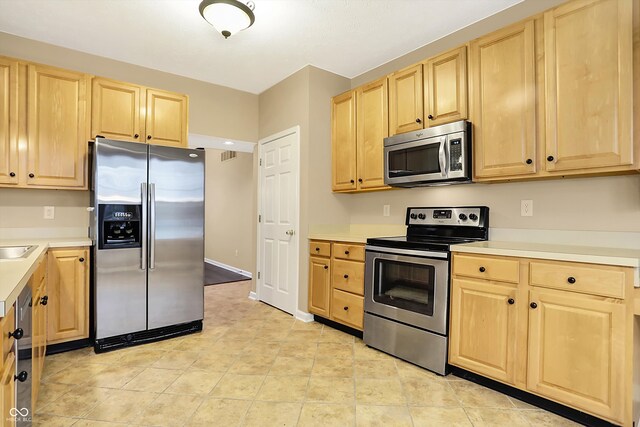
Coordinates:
column 228, row 155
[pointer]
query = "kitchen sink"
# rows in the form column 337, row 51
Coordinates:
column 14, row 252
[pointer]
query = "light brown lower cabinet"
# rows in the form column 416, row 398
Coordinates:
column 336, row 282
column 68, row 290
column 40, row 300
column 559, row 339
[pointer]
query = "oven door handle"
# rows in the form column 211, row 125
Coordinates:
column 395, row 251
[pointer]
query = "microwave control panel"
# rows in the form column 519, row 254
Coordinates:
column 455, row 154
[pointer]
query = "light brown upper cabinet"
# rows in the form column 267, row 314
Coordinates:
column 503, row 102
column 445, row 87
column 115, row 110
column 343, row 141
column 405, row 100
column 57, row 127
column 166, row 118
column 372, row 129
column 129, row 112
column 8, row 121
column 589, row 88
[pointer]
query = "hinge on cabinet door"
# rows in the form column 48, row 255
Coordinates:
column 260, row 162
column 259, row 218
column 258, row 274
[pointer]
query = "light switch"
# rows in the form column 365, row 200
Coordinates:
column 49, row 212
column 386, row 210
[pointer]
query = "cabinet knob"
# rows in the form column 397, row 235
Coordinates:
column 571, row 280
column 482, row 269
column 44, row 300
column 529, row 161
column 352, row 181
column 31, row 175
column 136, row 136
column 22, row 376
column 533, row 305
column 317, row 249
column 511, row 301
column 346, row 252
column 346, row 308
column 360, row 180
column 430, row 117
column 550, row 158
column 346, row 276
column 326, row 267
column 418, row 120
column 148, row 136
column 17, row 334
column 12, row 174
column 81, row 259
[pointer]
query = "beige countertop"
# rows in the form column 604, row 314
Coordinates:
column 586, row 254
column 354, row 233
column 15, row 273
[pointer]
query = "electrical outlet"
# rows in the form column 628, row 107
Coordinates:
column 49, row 212
column 386, row 210
column 526, row 207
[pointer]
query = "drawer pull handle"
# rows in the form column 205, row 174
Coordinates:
column 482, row 269
column 346, row 276
column 346, row 252
column 511, row 301
column 326, row 267
column 317, row 249
column 571, row 280
column 346, row 308
column 17, row 334
column 533, row 305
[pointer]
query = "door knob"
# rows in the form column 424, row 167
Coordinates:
column 289, row 232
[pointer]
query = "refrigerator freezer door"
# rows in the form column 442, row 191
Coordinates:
column 120, row 299
column 176, row 236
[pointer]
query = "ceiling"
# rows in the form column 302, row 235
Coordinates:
column 347, row 37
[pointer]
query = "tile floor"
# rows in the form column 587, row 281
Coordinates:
column 254, row 365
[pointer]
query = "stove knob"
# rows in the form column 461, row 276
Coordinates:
column 421, row 216
column 473, row 217
column 413, row 216
column 462, row 217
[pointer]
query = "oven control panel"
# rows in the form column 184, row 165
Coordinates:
column 462, row 216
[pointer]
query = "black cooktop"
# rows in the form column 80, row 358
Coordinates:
column 418, row 243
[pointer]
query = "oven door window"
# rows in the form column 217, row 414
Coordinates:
column 420, row 160
column 404, row 285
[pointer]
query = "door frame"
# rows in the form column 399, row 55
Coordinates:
column 296, row 217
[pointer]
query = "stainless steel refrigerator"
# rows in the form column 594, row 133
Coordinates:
column 147, row 226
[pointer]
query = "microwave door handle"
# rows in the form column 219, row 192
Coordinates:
column 442, row 157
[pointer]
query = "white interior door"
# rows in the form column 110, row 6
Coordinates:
column 278, row 228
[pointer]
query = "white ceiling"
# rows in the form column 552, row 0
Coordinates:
column 347, row 37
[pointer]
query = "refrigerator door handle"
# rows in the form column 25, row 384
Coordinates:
column 143, row 252
column 152, row 226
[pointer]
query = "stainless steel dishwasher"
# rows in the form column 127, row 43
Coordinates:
column 24, row 411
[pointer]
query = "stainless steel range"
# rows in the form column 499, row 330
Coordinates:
column 407, row 283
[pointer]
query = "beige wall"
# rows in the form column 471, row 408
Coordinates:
column 230, row 210
column 303, row 99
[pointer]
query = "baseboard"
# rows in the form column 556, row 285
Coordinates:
column 253, row 296
column 304, row 316
column 229, row 267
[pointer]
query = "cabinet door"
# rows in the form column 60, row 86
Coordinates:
column 483, row 328
column 57, row 127
column 167, row 118
column 68, row 290
column 446, row 87
column 405, row 100
column 373, row 128
column 8, row 121
column 319, row 286
column 576, row 351
column 115, row 110
column 588, row 60
column 503, row 102
column 8, row 389
column 343, row 142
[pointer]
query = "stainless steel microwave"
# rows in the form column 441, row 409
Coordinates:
column 433, row 156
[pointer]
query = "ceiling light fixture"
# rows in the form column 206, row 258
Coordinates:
column 228, row 16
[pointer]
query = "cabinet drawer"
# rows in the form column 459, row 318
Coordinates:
column 584, row 278
column 320, row 248
column 348, row 276
column 499, row 269
column 8, row 325
column 347, row 251
column 347, row 308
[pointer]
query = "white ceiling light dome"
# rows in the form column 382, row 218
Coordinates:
column 228, row 16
